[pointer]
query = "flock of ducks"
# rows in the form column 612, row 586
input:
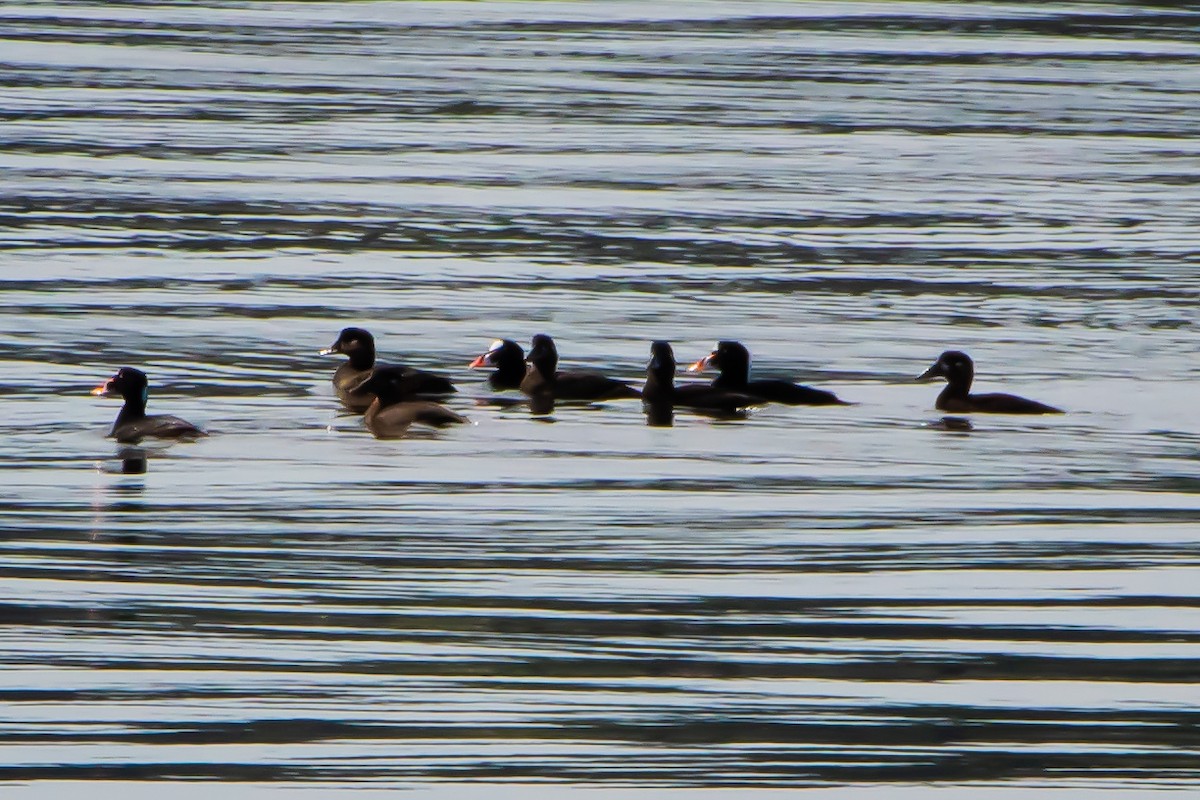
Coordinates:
column 393, row 398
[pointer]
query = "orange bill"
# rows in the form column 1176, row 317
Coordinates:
column 480, row 362
column 702, row 364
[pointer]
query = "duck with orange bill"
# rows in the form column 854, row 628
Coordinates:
column 508, row 359
column 732, row 362
column 133, row 423
column 662, row 390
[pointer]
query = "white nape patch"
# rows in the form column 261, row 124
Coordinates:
column 496, row 345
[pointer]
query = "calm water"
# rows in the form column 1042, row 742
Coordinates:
column 841, row 598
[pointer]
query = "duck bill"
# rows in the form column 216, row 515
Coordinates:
column 481, row 362
column 101, row 390
column 328, row 351
column 933, row 372
column 702, row 364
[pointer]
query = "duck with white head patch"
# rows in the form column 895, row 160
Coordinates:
column 509, row 361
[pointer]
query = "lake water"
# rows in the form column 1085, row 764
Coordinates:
column 849, row 600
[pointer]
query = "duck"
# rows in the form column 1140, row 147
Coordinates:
column 542, row 378
column 393, row 412
column 959, row 371
column 661, row 389
column 133, row 423
column 509, row 360
column 359, row 346
column 732, row 361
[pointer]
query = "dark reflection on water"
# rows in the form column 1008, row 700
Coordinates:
column 133, row 460
column 659, row 415
column 953, row 424
column 634, row 597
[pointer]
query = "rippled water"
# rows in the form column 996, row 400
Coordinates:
column 847, row 598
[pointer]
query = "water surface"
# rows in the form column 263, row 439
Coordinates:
column 850, row 599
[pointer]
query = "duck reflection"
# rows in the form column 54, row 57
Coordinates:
column 133, row 461
column 541, row 404
column 659, row 415
column 953, row 424
column 113, row 501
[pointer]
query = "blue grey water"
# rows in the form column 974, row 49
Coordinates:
column 841, row 599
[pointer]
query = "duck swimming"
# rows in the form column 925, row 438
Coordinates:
column 133, row 423
column 509, row 360
column 543, row 378
column 359, row 346
column 959, row 371
column 392, row 411
column 661, row 389
column 732, row 360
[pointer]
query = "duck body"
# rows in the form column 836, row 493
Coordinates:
column 732, row 359
column 777, row 390
column 154, row 426
column 423, row 383
column 661, row 389
column 348, row 379
column 509, row 360
column 542, row 378
column 991, row 403
column 393, row 421
column 393, row 412
column 133, row 424
column 959, row 371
